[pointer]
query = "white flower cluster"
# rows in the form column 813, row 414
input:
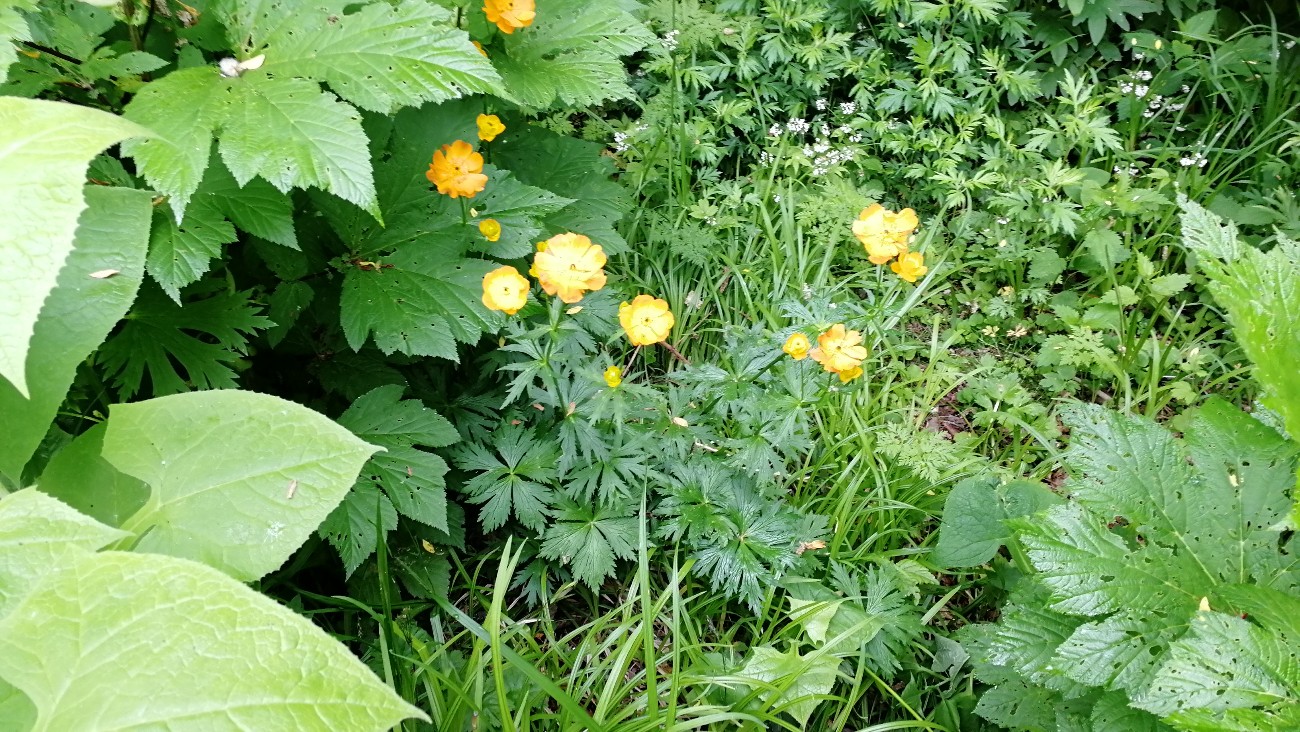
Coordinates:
column 621, row 143
column 1131, row 170
column 798, row 126
column 820, row 104
column 669, row 41
column 848, row 107
column 1195, row 159
column 824, row 156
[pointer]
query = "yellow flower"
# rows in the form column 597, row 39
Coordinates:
column 910, row 266
column 884, row 233
column 646, row 320
column 850, row 375
column 839, row 352
column 510, row 14
column 613, row 376
column 505, row 289
column 797, row 346
column 489, row 126
column 490, row 229
column 457, row 170
column 568, row 265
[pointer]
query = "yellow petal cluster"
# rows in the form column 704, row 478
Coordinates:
column 457, row 170
column 910, row 266
column 505, row 289
column 489, row 126
column 568, row 265
column 839, row 351
column 646, row 320
column 796, row 346
column 883, row 233
column 510, row 15
column 490, row 229
column 613, row 377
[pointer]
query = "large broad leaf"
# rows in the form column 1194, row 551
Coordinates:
column 239, row 480
column 1260, row 292
column 81, row 310
column 801, row 682
column 138, row 642
column 383, row 57
column 13, row 28
column 79, row 476
column 37, row 534
column 288, row 131
column 45, row 148
column 571, row 54
column 974, row 516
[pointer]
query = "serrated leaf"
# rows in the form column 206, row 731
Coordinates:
column 287, row 131
column 350, row 527
column 13, row 28
column 1225, row 663
column 285, row 306
column 256, row 207
column 1166, row 286
column 512, row 478
column 219, row 465
column 384, row 57
column 157, row 339
column 571, row 55
column 45, row 148
column 38, row 534
column 801, row 679
column 418, row 303
column 520, row 209
column 1017, row 705
column 250, row 663
column 179, row 254
column 383, row 418
column 113, row 233
column 590, row 540
column 973, row 527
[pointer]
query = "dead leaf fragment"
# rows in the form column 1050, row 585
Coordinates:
column 810, row 545
column 104, row 274
column 293, row 488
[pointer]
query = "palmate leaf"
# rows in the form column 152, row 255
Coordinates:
column 590, row 540
column 751, row 548
column 180, row 253
column 513, row 477
column 571, row 54
column 202, row 339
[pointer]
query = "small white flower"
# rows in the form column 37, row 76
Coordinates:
column 848, row 107
column 820, row 104
column 774, row 131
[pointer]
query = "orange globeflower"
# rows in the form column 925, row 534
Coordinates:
column 839, row 351
column 489, row 126
column 510, row 14
column 910, row 266
column 568, row 265
column 457, row 170
column 646, row 320
column 884, row 233
column 505, row 289
column 490, row 229
column 796, row 346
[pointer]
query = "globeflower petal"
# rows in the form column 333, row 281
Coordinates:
column 646, row 320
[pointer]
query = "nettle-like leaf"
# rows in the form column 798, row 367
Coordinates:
column 591, row 539
column 179, row 253
column 1156, row 526
column 411, row 478
column 350, row 528
column 204, row 338
column 268, row 472
column 250, row 663
column 1260, row 292
column 45, row 148
column 112, row 236
column 571, row 54
column 513, row 476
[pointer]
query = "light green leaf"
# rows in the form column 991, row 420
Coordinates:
column 13, row 28
column 45, row 148
column 384, row 57
column 814, row 615
column 973, row 527
column 519, row 209
column 803, row 679
column 1017, row 705
column 37, row 535
column 179, row 253
column 112, row 236
column 239, row 480
column 180, row 646
column 79, row 476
